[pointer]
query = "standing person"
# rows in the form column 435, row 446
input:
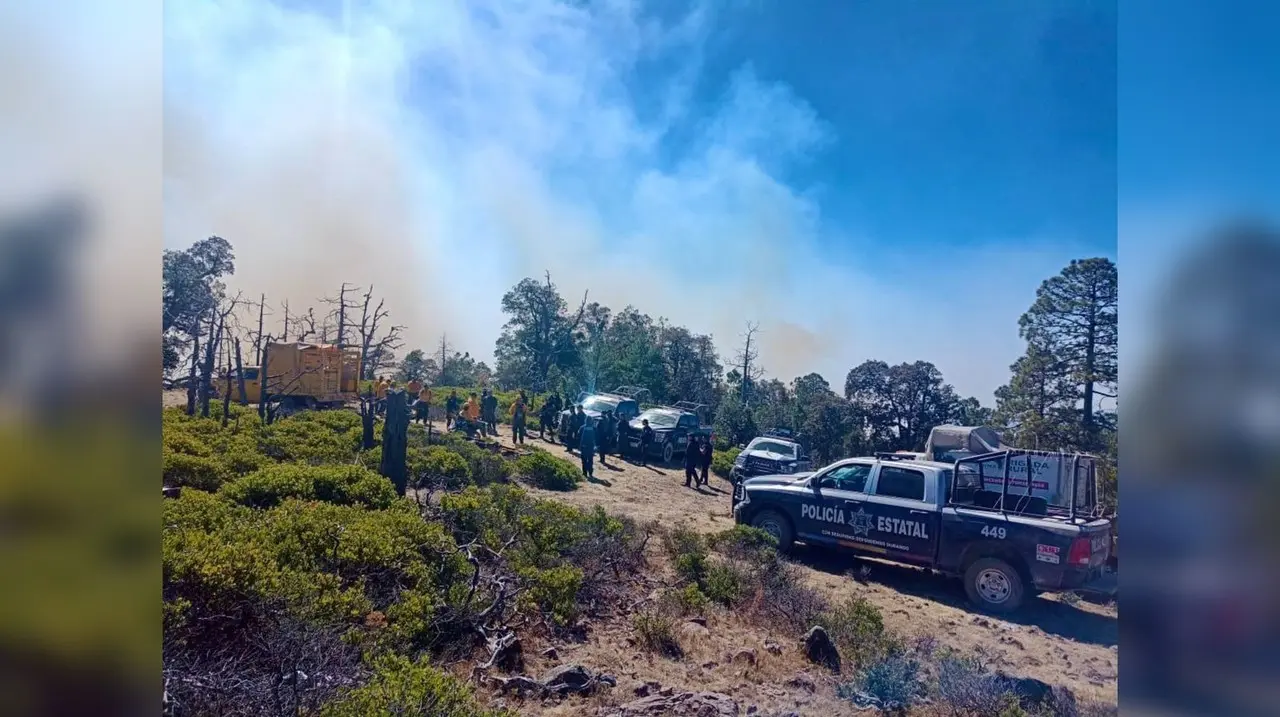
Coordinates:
column 544, row 419
column 555, row 406
column 646, row 439
column 380, row 394
column 623, row 435
column 451, row 406
column 414, row 387
column 692, row 457
column 603, row 433
column 707, row 454
column 489, row 408
column 424, row 403
column 587, row 447
column 518, row 411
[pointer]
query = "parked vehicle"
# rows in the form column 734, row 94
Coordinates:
column 622, row 402
column 944, row 516
column 673, row 428
column 300, row 375
column 774, row 452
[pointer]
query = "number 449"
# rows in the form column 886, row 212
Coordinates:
column 993, row 532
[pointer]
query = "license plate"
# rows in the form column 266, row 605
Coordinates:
column 1100, row 544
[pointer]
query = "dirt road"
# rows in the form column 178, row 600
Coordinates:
column 1051, row 640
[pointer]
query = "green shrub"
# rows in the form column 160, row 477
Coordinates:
column 201, row 472
column 555, row 591
column 548, row 472
column 745, row 542
column 438, row 466
column 691, row 600
column 688, row 550
column 857, row 628
column 722, row 461
column 180, row 441
column 894, row 681
column 343, row 485
column 401, row 687
column 724, row 583
column 656, row 632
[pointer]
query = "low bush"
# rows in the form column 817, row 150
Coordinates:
column 401, row 687
column 656, row 631
column 857, row 628
column 690, row 600
column 193, row 471
column 722, row 461
column 548, row 472
column 342, row 485
column 725, row 583
column 894, row 683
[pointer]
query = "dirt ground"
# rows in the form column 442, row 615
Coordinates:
column 1050, row 640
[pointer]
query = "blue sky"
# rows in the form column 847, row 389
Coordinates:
column 866, row 180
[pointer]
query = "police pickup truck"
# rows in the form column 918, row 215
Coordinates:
column 773, row 453
column 1002, row 544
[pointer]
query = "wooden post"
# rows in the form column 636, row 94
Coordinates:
column 395, row 441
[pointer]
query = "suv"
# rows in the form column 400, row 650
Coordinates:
column 673, row 427
column 773, row 453
column 942, row 516
column 594, row 405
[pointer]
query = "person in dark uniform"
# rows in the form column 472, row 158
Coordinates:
column 587, row 446
column 451, row 406
column 544, row 419
column 576, row 422
column 646, row 440
column 604, row 433
column 489, row 407
column 622, row 436
column 555, row 405
column 692, row 458
column 706, row 454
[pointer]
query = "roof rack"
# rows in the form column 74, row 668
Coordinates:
column 891, row 456
column 631, row 392
column 689, row 406
column 783, row 433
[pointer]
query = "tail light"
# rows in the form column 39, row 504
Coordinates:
column 1080, row 553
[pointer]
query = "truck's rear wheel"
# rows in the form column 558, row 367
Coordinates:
column 994, row 585
column 668, row 452
column 775, row 524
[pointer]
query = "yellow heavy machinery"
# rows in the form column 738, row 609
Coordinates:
column 303, row 375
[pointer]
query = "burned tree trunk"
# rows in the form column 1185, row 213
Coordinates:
column 367, row 410
column 192, row 386
column 226, row 394
column 210, row 358
column 244, row 396
column 264, row 395
column 395, row 440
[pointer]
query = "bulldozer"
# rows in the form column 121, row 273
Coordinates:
column 300, row 375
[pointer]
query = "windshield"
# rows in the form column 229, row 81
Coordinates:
column 786, row 449
column 598, row 404
column 658, row 419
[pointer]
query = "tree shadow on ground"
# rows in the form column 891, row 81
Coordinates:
column 1051, row 616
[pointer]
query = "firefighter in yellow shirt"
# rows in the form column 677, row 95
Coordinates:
column 380, row 386
column 423, row 406
column 414, row 387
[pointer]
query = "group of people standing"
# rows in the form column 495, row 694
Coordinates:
column 609, row 434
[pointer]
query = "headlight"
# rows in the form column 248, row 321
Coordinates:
column 660, row 438
column 788, row 468
column 740, row 461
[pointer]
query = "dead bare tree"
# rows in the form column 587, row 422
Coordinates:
column 444, row 356
column 214, row 346
column 373, row 345
column 304, row 326
column 192, row 383
column 745, row 359
column 284, row 335
column 342, row 312
column 244, row 396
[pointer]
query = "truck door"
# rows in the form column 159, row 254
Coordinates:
column 830, row 517
column 903, row 524
column 684, row 427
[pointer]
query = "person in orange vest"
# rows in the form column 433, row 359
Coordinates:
column 424, row 403
column 414, row 387
column 380, row 387
column 471, row 411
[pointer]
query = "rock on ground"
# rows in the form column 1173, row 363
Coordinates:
column 685, row 704
column 819, row 648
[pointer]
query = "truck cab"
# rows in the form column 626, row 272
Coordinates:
column 772, row 453
column 1001, row 544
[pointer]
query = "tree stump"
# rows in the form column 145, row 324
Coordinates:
column 395, row 441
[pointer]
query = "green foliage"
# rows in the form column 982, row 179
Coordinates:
column 722, row 461
column 688, row 550
column 894, row 681
column 734, row 421
column 401, row 687
column 857, row 628
column 343, row 485
column 691, row 600
column 656, row 632
column 744, row 540
column 725, row 583
column 184, row 469
column 555, row 591
column 547, row 471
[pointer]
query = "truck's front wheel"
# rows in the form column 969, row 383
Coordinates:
column 994, row 585
column 668, row 452
column 775, row 524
